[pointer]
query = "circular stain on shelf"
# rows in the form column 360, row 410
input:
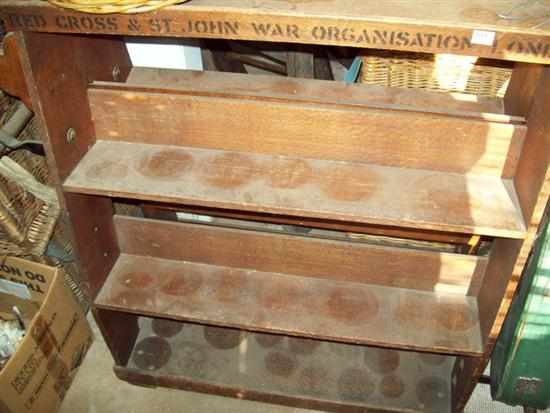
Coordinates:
column 191, row 359
column 230, row 286
column 289, row 173
column 413, row 311
column 352, row 306
column 280, row 364
column 355, row 385
column 313, row 380
column 152, row 353
column 165, row 164
column 381, row 361
column 223, row 338
column 132, row 298
column 392, row 386
column 443, row 193
column 166, row 328
column 184, row 283
column 432, row 359
column 282, row 295
column 349, row 183
column 432, row 391
column 136, row 279
column 268, row 340
column 229, row 170
column 456, row 317
column 480, row 14
column 303, row 345
column 107, row 169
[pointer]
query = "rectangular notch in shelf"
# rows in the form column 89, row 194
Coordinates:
column 333, row 290
column 287, row 370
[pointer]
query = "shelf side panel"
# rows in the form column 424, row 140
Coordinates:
column 59, row 99
column 529, row 95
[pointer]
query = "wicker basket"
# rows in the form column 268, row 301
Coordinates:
column 41, row 216
column 7, row 107
column 61, row 239
column 114, row 6
column 444, row 73
column 28, row 209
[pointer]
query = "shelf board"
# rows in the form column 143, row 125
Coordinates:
column 293, row 305
column 285, row 370
column 409, row 129
column 239, row 85
column 333, row 259
column 335, row 190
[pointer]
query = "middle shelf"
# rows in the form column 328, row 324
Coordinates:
column 331, row 290
column 335, row 190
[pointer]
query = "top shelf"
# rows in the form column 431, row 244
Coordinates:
column 471, row 27
column 358, row 154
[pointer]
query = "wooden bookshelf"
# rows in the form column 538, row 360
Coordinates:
column 410, row 164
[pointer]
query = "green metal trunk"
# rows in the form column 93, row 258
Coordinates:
column 520, row 365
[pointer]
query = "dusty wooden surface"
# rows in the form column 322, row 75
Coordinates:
column 119, row 330
column 309, row 257
column 168, row 211
column 510, row 256
column 522, row 88
column 286, row 370
column 285, row 118
column 293, row 186
column 58, row 94
column 532, row 185
column 294, row 305
column 315, row 91
column 447, row 26
column 214, row 276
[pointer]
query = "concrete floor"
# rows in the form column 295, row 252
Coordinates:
column 97, row 390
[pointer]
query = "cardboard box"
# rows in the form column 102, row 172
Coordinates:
column 38, row 375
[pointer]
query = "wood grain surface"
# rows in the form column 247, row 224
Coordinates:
column 120, row 331
column 324, row 128
column 508, row 258
column 308, row 257
column 341, row 191
column 58, row 93
column 293, row 305
column 449, row 26
column 313, row 90
column 168, row 212
column 331, row 377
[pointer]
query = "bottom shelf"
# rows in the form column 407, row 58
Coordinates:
column 286, row 370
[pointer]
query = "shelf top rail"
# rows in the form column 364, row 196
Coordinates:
column 500, row 29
